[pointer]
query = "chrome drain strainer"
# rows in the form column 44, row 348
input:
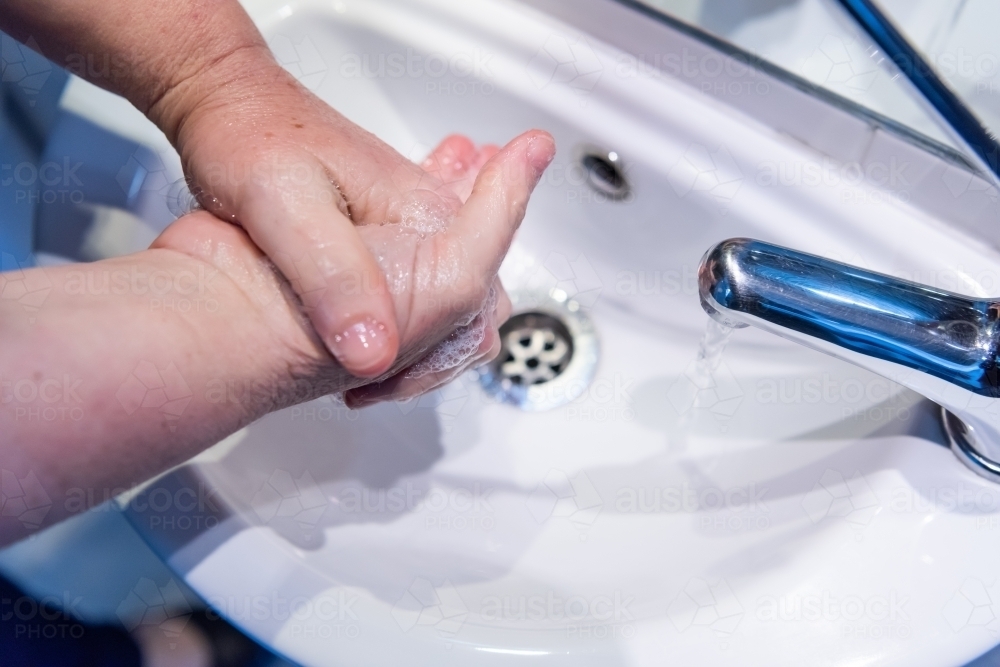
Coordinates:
column 549, row 353
column 536, row 349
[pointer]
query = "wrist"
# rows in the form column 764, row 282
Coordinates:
column 279, row 359
column 225, row 79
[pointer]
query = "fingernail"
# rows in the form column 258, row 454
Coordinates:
column 362, row 348
column 541, row 151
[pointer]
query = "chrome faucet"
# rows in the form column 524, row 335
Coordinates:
column 942, row 345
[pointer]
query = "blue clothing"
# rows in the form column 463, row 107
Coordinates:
column 40, row 633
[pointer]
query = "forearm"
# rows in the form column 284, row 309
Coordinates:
column 164, row 56
column 130, row 366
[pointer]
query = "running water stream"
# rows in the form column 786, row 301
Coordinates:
column 710, row 348
column 700, row 375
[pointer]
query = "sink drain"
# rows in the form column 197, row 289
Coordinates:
column 548, row 355
column 536, row 348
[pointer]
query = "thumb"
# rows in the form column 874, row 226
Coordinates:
column 485, row 226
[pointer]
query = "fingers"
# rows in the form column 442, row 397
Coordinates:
column 451, row 159
column 456, row 163
column 486, row 224
column 429, row 373
column 394, row 190
column 463, row 186
column 342, row 288
column 406, row 384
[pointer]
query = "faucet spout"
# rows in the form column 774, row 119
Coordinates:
column 939, row 344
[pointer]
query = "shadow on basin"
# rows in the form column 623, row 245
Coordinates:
column 294, row 468
column 282, row 474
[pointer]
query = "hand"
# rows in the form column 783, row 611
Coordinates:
column 312, row 190
column 259, row 150
column 382, row 256
column 442, row 281
column 455, row 162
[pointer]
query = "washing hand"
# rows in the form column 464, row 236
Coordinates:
column 152, row 387
column 329, row 203
column 341, row 266
column 438, row 267
column 262, row 152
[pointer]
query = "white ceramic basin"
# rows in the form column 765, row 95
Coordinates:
column 801, row 511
